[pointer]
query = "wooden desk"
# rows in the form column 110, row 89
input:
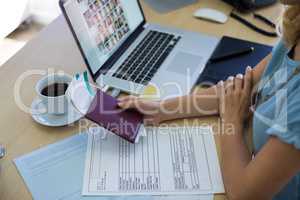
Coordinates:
column 54, row 49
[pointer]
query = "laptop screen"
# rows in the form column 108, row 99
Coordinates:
column 101, row 26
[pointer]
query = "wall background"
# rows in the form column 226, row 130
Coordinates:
column 13, row 13
column 44, row 11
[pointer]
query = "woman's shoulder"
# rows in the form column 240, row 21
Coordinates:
column 280, row 48
column 279, row 53
column 286, row 124
column 294, row 92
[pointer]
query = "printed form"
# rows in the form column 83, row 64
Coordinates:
column 169, row 161
column 55, row 172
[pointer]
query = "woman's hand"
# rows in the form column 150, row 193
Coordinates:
column 150, row 109
column 235, row 98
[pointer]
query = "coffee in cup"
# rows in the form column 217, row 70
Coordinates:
column 55, row 89
column 51, row 91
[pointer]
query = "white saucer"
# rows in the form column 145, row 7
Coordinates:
column 54, row 120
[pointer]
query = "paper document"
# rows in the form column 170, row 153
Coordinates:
column 55, row 172
column 169, row 161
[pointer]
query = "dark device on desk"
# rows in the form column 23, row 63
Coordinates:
column 249, row 5
column 222, row 69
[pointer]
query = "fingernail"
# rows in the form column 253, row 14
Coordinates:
column 230, row 78
column 221, row 83
column 249, row 68
column 240, row 76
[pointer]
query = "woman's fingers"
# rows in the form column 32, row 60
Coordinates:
column 221, row 89
column 229, row 85
column 238, row 82
column 127, row 102
column 248, row 80
column 221, row 95
column 248, row 88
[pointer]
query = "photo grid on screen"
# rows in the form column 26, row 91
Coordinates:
column 106, row 21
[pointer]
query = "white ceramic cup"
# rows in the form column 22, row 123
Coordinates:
column 56, row 105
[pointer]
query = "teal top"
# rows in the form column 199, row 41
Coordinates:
column 279, row 115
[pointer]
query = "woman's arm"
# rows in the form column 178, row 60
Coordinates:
column 244, row 178
column 203, row 102
column 260, row 178
column 259, row 69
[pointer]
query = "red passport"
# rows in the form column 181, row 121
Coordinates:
column 104, row 111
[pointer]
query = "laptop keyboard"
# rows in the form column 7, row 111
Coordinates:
column 142, row 64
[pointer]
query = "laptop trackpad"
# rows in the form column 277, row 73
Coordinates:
column 185, row 63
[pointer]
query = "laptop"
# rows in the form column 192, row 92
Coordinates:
column 123, row 51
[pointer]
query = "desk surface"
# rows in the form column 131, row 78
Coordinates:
column 49, row 51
